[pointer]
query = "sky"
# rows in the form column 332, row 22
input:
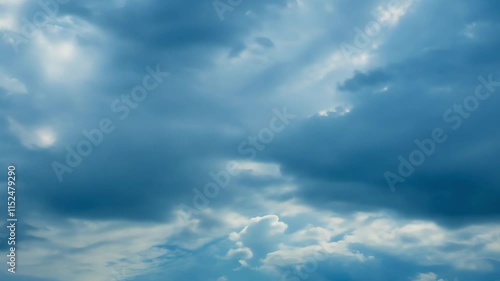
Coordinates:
column 236, row 140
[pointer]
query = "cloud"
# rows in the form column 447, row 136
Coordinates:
column 427, row 277
column 315, row 197
column 333, row 157
column 12, row 85
column 42, row 137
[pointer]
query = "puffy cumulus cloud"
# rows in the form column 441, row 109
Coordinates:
column 330, row 244
column 334, row 244
column 10, row 11
column 261, row 236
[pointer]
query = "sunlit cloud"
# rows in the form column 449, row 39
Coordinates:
column 32, row 137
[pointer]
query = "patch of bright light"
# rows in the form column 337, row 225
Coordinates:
column 45, row 137
column 259, row 169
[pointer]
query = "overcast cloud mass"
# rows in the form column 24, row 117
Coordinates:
column 237, row 140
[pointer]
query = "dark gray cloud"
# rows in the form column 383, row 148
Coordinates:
column 354, row 118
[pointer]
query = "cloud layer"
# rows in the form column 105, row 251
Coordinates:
column 201, row 179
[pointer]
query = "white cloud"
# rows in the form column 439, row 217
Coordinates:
column 421, row 242
column 96, row 249
column 32, row 137
column 260, row 236
column 263, row 244
column 427, row 277
column 102, row 250
column 63, row 61
column 12, row 85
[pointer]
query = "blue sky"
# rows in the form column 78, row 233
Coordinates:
column 252, row 140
